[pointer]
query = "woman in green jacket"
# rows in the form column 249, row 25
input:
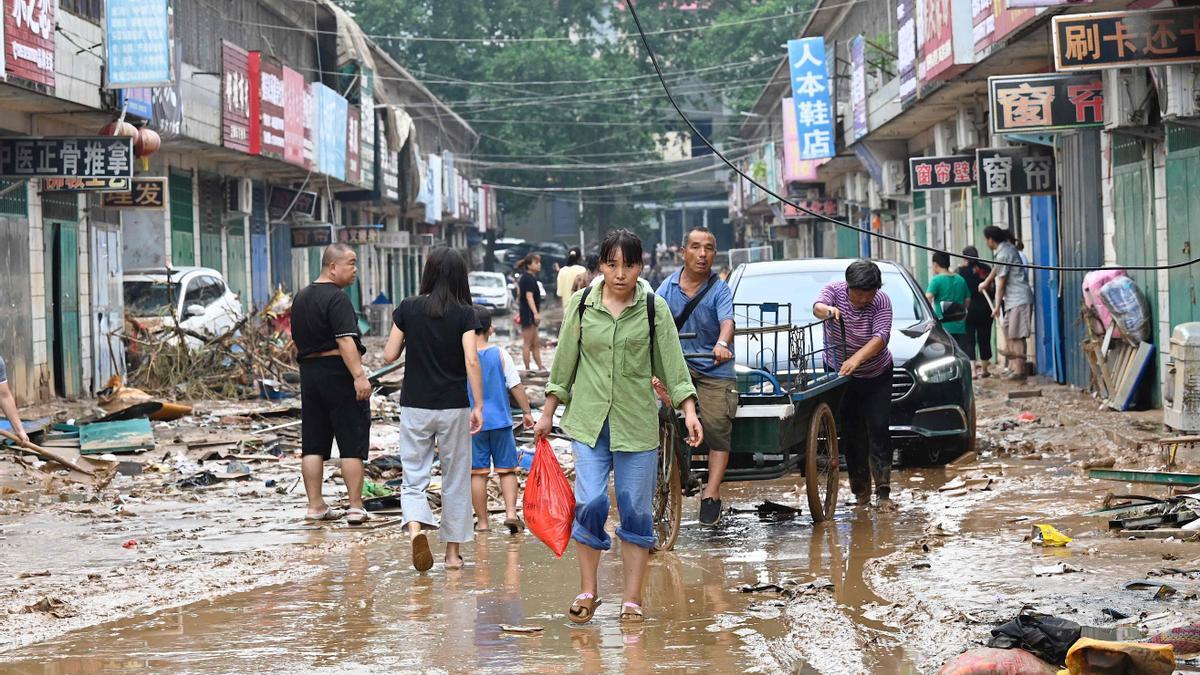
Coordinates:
column 602, row 372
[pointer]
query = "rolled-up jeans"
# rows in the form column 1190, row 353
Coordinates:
column 635, row 473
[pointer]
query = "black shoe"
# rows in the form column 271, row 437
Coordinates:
column 710, row 511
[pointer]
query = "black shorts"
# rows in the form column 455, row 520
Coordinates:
column 329, row 410
column 966, row 342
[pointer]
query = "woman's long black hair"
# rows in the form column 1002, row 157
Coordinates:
column 444, row 281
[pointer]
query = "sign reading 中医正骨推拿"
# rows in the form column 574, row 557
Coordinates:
column 82, row 157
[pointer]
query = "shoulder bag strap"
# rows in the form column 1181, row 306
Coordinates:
column 693, row 303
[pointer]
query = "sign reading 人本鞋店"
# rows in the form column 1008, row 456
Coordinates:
column 1046, row 102
column 146, row 193
column 941, row 173
column 1004, row 172
column 85, row 157
column 1121, row 39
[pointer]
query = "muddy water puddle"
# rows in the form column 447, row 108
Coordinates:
column 371, row 611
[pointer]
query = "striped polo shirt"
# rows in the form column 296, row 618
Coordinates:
column 874, row 320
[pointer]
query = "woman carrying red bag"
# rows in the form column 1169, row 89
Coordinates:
column 602, row 371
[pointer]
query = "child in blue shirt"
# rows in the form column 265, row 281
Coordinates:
column 494, row 446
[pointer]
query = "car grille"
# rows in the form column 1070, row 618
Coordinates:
column 902, row 383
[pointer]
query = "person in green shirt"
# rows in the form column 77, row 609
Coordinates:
column 949, row 286
column 602, row 372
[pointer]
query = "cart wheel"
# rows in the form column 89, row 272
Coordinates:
column 821, row 464
column 668, row 491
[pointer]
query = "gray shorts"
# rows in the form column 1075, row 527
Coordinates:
column 1018, row 322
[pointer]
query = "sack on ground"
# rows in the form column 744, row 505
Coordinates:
column 1122, row 297
column 1047, row 637
column 988, row 661
column 549, row 501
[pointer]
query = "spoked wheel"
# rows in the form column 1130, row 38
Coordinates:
column 668, row 491
column 821, row 464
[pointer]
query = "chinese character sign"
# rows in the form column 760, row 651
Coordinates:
column 1004, row 172
column 810, row 93
column 315, row 235
column 858, row 88
column 88, row 157
column 138, row 41
column 235, row 97
column 29, row 28
column 294, row 116
column 1046, row 102
column 145, row 193
column 332, row 111
column 272, row 106
column 433, row 189
column 906, row 50
column 85, row 185
column 935, row 34
column 940, row 173
column 1120, row 39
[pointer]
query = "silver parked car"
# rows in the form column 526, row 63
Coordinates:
column 490, row 289
column 198, row 298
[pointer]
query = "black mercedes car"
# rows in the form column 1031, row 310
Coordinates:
column 933, row 403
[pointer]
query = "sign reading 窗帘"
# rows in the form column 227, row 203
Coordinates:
column 1051, row 102
column 86, row 157
column 1122, row 39
column 146, row 193
column 1004, row 172
column 810, row 93
column 941, row 173
column 138, row 43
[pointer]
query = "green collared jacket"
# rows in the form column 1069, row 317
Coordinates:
column 611, row 380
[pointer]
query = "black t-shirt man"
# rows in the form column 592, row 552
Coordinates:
column 322, row 313
column 435, row 372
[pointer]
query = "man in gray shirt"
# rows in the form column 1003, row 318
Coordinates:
column 1013, row 288
column 9, row 405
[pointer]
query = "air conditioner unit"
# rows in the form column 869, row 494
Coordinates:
column 874, row 199
column 424, row 240
column 966, row 128
column 1126, row 98
column 238, row 197
column 895, row 179
column 1182, row 90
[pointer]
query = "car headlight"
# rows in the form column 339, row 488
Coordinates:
column 944, row 369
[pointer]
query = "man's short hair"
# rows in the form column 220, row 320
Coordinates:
column 996, row 234
column 484, row 315
column 334, row 253
column 687, row 236
column 864, row 275
column 942, row 259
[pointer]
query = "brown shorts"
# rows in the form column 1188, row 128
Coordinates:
column 1018, row 322
column 718, row 401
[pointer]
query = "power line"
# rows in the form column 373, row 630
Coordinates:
column 841, row 223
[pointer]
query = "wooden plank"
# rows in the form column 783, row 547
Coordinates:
column 124, row 436
column 1134, row 370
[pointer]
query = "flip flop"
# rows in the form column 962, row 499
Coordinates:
column 328, row 514
column 357, row 516
column 458, row 565
column 422, row 558
column 632, row 613
column 514, row 525
column 583, row 608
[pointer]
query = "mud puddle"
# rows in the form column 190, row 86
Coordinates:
column 369, row 610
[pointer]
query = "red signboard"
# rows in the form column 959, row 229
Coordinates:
column 235, row 97
column 353, row 149
column 295, row 112
column 254, row 70
column 994, row 21
column 29, row 39
column 937, row 44
column 271, row 91
column 310, row 126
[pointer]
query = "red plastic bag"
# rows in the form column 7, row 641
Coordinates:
column 549, row 500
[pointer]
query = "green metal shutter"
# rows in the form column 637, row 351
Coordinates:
column 1134, row 237
column 212, row 207
column 1183, row 220
column 183, row 242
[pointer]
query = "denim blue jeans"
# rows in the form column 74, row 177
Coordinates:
column 635, row 472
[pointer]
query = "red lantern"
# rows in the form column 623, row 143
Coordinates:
column 124, row 129
column 146, row 143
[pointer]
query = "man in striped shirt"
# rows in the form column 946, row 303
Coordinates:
column 861, row 353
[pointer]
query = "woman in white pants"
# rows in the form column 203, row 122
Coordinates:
column 438, row 329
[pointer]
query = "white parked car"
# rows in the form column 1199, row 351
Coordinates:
column 196, row 297
column 490, row 289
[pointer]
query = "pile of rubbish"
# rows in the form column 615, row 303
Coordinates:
column 252, row 358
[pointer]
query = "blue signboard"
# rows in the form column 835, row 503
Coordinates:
column 138, row 40
column 139, row 102
column 332, row 113
column 811, row 96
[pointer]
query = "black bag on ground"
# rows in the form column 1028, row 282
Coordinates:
column 1049, row 637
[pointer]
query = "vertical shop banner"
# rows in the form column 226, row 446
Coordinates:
column 274, row 106
column 450, row 184
column 433, row 175
column 254, row 73
column 29, row 27
column 1030, row 103
column 906, row 50
column 295, row 114
column 389, row 170
column 310, row 127
column 811, row 95
column 772, row 160
column 137, row 41
column 366, row 156
column 353, row 148
column 858, row 89
column 332, row 115
column 936, row 39
column 795, row 169
column 235, row 97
